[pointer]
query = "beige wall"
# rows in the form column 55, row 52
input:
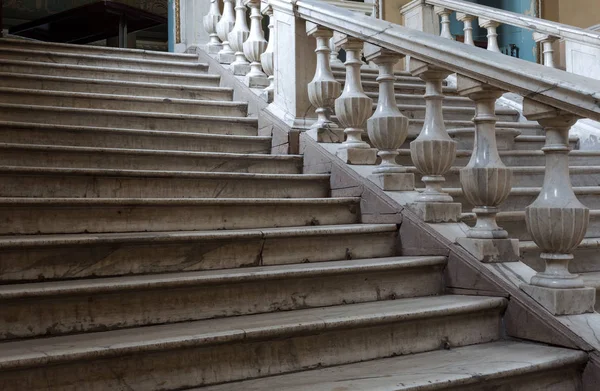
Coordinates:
column 391, row 10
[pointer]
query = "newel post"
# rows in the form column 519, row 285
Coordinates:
column 224, row 27
column 210, row 21
column 556, row 220
column 237, row 37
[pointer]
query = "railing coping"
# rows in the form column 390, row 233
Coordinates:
column 565, row 91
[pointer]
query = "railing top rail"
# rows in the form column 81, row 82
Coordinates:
column 570, row 33
column 566, row 91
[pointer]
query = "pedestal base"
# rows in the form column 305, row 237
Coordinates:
column 257, row 82
column 437, row 212
column 358, row 156
column 267, row 95
column 213, row 49
column 240, row 69
column 326, row 134
column 225, row 58
column 563, row 301
column 394, row 181
column 492, row 250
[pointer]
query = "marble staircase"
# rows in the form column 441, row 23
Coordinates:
column 150, row 240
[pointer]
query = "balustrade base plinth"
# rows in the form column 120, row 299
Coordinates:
column 226, row 58
column 394, row 181
column 437, row 212
column 563, row 301
column 491, row 250
column 326, row 134
column 358, row 156
column 257, row 82
column 240, row 69
column 213, row 49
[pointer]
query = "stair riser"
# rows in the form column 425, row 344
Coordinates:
column 372, row 77
column 54, row 220
column 102, row 61
column 97, row 87
column 451, row 115
column 168, row 304
column 520, row 202
column 418, row 100
column 194, row 366
column 108, row 160
column 57, row 70
column 165, row 106
column 115, row 139
column 503, row 145
column 116, row 259
column 84, row 186
column 562, row 379
column 523, row 179
column 128, row 121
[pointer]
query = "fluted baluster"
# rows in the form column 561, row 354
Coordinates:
column 468, row 27
column 547, row 50
column 224, row 27
column 267, row 59
column 492, row 34
column 556, row 220
column 210, row 25
column 237, row 37
column 334, row 58
column 354, row 107
column 255, row 46
column 444, row 14
column 323, row 90
column 388, row 127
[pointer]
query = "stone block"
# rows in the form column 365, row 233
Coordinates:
column 213, row 49
column 240, row 69
column 226, row 58
column 563, row 301
column 360, row 156
column 326, row 134
column 257, row 82
column 394, row 181
column 437, row 212
column 491, row 250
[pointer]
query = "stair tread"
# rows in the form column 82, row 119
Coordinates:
column 22, row 354
column 436, row 370
column 213, row 277
column 591, row 279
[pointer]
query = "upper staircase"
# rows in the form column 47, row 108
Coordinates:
column 151, row 241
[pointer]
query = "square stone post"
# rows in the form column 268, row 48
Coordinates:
column 420, row 16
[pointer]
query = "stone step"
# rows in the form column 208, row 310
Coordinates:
column 104, row 183
column 416, row 99
column 404, row 87
column 206, row 352
column 504, row 365
column 27, row 216
column 244, row 126
column 131, row 103
column 108, row 73
column 101, row 60
column 415, row 126
column 97, row 50
column 586, row 256
column 25, row 155
column 537, row 142
column 98, row 137
column 65, row 307
column 65, row 257
column 367, row 76
column 116, row 87
column 452, row 113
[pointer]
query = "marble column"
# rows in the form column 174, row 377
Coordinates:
column 255, row 46
column 267, row 59
column 210, row 21
column 556, row 220
column 444, row 14
column 468, row 27
column 492, row 34
column 546, row 42
column 324, row 89
column 226, row 55
column 237, row 37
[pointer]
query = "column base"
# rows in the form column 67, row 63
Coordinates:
column 257, row 82
column 226, row 58
column 563, row 301
column 326, row 134
column 491, row 250
column 358, row 156
column 240, row 69
column 394, row 181
column 437, row 212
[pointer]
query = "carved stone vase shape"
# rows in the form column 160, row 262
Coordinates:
column 237, row 37
column 256, row 44
column 225, row 26
column 210, row 21
column 267, row 59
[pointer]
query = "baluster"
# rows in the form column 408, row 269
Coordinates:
column 255, row 46
column 556, row 220
column 444, row 13
column 267, row 59
column 547, row 50
column 388, row 127
column 334, row 59
column 210, row 25
column 433, row 151
column 237, row 37
column 485, row 180
column 492, row 34
column 468, row 26
column 354, row 107
column 323, row 90
column 224, row 27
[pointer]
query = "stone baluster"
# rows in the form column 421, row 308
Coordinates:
column 334, row 59
column 255, row 46
column 354, row 107
column 444, row 14
column 388, row 127
column 485, row 180
column 237, row 37
column 547, row 50
column 433, row 151
column 323, row 90
column 224, row 27
column 468, row 27
column 492, row 34
column 556, row 220
column 267, row 59
column 210, row 25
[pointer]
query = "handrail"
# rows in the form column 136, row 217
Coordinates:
column 566, row 91
column 560, row 30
